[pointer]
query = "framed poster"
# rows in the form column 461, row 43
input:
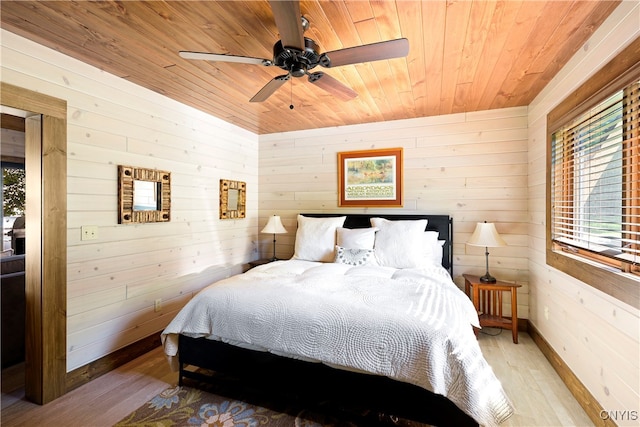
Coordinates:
column 370, row 178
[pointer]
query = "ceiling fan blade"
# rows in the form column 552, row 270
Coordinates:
column 366, row 53
column 224, row 58
column 289, row 22
column 333, row 86
column 269, row 88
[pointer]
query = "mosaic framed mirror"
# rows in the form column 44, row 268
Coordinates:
column 232, row 199
column 144, row 195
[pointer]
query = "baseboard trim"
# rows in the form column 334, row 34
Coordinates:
column 590, row 405
column 97, row 368
column 523, row 325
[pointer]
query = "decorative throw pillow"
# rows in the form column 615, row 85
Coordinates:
column 354, row 256
column 316, row 238
column 360, row 238
column 399, row 244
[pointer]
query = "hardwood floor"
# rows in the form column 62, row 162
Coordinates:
column 537, row 392
column 540, row 397
column 101, row 402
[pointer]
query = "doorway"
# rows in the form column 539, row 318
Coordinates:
column 45, row 240
column 12, row 258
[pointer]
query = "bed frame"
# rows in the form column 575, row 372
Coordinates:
column 311, row 385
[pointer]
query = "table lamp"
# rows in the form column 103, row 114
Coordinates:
column 274, row 226
column 486, row 235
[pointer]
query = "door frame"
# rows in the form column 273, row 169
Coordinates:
column 46, row 241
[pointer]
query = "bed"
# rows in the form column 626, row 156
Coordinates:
column 365, row 309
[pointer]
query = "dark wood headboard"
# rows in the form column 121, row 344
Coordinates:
column 443, row 224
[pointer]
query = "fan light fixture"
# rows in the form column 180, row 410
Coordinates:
column 297, row 54
column 274, row 226
column 486, row 235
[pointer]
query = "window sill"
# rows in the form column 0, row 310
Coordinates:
column 620, row 285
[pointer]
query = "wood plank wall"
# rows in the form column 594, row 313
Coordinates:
column 597, row 336
column 12, row 148
column 114, row 281
column 470, row 166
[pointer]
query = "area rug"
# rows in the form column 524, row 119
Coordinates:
column 190, row 406
column 185, row 406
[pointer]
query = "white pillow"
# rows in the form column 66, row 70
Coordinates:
column 356, row 238
column 399, row 244
column 316, row 238
column 430, row 237
column 355, row 257
column 433, row 247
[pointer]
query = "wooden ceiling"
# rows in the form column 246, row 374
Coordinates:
column 464, row 55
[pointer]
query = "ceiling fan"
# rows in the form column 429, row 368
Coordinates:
column 297, row 54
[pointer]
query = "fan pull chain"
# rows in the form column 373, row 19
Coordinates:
column 291, row 105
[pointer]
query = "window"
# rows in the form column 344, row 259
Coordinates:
column 593, row 180
column 13, row 189
column 13, row 203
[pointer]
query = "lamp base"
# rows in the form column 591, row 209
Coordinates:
column 487, row 278
column 274, row 249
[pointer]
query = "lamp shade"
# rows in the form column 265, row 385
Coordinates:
column 274, row 226
column 486, row 235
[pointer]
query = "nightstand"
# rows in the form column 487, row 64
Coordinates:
column 259, row 262
column 487, row 299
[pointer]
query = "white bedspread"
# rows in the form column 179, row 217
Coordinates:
column 413, row 325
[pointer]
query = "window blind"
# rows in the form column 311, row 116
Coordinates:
column 595, row 198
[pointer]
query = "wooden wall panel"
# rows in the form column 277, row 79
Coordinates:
column 597, row 336
column 12, row 145
column 112, row 282
column 470, row 166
